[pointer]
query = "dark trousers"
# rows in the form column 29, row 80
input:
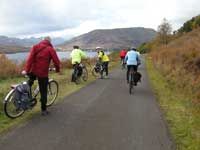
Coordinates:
column 122, row 59
column 43, row 83
column 129, row 67
column 105, row 66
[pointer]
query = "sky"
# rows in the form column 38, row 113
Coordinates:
column 69, row 18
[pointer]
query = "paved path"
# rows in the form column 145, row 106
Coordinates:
column 101, row 116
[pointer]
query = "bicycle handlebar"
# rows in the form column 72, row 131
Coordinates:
column 52, row 69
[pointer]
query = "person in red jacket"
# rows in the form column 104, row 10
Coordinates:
column 37, row 66
column 122, row 56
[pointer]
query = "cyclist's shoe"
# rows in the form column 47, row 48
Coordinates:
column 45, row 113
column 106, row 77
column 135, row 83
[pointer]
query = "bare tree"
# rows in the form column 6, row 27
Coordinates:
column 164, row 31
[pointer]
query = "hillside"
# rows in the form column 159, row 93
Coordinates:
column 183, row 58
column 12, row 48
column 183, row 52
column 190, row 25
column 111, row 38
column 26, row 42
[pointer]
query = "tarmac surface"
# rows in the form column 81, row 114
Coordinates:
column 101, row 116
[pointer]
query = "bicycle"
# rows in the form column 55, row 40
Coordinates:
column 80, row 71
column 98, row 70
column 15, row 108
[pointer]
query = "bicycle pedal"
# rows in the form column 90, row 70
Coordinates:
column 33, row 102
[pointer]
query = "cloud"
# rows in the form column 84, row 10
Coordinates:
column 70, row 17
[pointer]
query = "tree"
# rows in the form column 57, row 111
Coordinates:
column 164, row 31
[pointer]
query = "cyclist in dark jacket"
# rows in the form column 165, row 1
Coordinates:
column 37, row 66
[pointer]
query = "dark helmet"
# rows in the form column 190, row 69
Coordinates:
column 76, row 47
column 133, row 48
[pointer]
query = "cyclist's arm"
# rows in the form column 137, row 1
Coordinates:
column 126, row 58
column 100, row 55
column 83, row 55
column 138, row 59
column 56, row 60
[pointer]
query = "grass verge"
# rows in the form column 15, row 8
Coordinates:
column 183, row 122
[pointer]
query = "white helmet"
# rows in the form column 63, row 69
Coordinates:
column 98, row 48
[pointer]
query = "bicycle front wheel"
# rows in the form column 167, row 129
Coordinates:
column 95, row 72
column 11, row 108
column 85, row 74
column 52, row 92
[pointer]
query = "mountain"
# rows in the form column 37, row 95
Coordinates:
column 14, row 45
column 26, row 42
column 111, row 38
column 12, row 49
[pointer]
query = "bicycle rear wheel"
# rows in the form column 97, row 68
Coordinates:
column 131, row 84
column 77, row 79
column 52, row 92
column 11, row 109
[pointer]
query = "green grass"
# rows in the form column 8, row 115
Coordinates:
column 65, row 88
column 183, row 122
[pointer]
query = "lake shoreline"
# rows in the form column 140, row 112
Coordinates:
column 20, row 57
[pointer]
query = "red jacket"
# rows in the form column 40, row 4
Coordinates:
column 122, row 53
column 40, row 57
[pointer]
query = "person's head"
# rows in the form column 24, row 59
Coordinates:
column 76, row 47
column 98, row 49
column 133, row 48
column 47, row 38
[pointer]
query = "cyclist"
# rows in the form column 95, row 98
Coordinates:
column 76, row 56
column 132, row 60
column 37, row 66
column 104, row 59
column 122, row 56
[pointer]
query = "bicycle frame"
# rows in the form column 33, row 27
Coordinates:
column 37, row 89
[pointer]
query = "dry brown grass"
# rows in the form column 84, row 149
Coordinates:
column 9, row 69
column 180, row 62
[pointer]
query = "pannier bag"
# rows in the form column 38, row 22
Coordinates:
column 22, row 96
column 137, row 77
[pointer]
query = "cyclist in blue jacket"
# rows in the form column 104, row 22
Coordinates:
column 132, row 60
